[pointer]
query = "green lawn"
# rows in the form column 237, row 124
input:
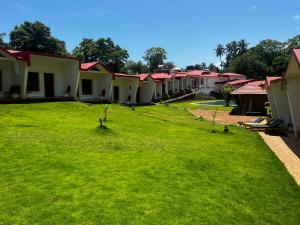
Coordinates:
column 191, row 105
column 155, row 165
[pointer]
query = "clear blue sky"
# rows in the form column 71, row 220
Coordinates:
column 188, row 29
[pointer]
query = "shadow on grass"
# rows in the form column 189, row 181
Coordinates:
column 105, row 131
column 25, row 125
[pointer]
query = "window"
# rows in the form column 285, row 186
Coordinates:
column 1, row 89
column 202, row 81
column 33, row 81
column 86, row 87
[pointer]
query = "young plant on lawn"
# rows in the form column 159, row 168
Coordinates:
column 213, row 122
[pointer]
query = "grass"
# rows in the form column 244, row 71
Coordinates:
column 190, row 105
column 155, row 165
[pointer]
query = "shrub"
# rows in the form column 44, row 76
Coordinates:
column 226, row 129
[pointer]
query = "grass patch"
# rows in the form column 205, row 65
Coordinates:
column 154, row 165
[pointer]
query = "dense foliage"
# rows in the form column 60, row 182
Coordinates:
column 154, row 57
column 267, row 58
column 35, row 37
column 102, row 50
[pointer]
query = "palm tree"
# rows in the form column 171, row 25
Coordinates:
column 243, row 46
column 220, row 51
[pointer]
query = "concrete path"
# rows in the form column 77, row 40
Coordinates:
column 288, row 152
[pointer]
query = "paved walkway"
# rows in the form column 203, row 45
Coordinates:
column 221, row 117
column 288, row 152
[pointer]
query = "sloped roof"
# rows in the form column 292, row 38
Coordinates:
column 88, row 66
column 296, row 53
column 180, row 74
column 161, row 76
column 232, row 75
column 272, row 79
column 253, row 88
column 237, row 82
column 202, row 73
column 26, row 55
column 126, row 75
column 144, row 76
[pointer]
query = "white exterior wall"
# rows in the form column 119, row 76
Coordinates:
column 279, row 100
column 8, row 73
column 127, row 87
column 158, row 91
column 170, row 86
column 146, row 90
column 177, row 85
column 66, row 73
column 100, row 82
column 293, row 91
column 272, row 101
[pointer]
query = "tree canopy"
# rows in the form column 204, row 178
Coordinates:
column 35, row 37
column 132, row 67
column 155, row 56
column 267, row 58
column 102, row 50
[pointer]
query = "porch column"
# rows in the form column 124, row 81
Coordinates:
column 76, row 85
column 166, row 87
column 24, row 72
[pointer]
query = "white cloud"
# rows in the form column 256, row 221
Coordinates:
column 253, row 7
column 23, row 8
column 91, row 12
column 296, row 17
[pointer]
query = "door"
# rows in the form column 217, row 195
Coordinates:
column 138, row 96
column 49, row 85
column 116, row 93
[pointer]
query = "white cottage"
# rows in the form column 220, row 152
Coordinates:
column 292, row 85
column 278, row 99
column 166, row 81
column 95, row 82
column 37, row 76
column 146, row 89
column 125, row 88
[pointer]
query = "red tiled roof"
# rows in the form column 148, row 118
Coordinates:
column 88, row 66
column 296, row 53
column 25, row 55
column 272, row 79
column 232, row 75
column 180, row 74
column 144, row 76
column 253, row 88
column 195, row 73
column 237, row 82
column 161, row 76
column 201, row 73
column 126, row 75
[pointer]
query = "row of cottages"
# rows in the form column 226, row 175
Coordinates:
column 283, row 94
column 30, row 75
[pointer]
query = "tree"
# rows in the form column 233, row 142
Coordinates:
column 155, row 56
column 169, row 65
column 220, row 51
column 103, row 50
column 132, row 67
column 36, row 37
column 203, row 66
column 213, row 67
column 250, row 65
column 2, row 42
column 242, row 46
